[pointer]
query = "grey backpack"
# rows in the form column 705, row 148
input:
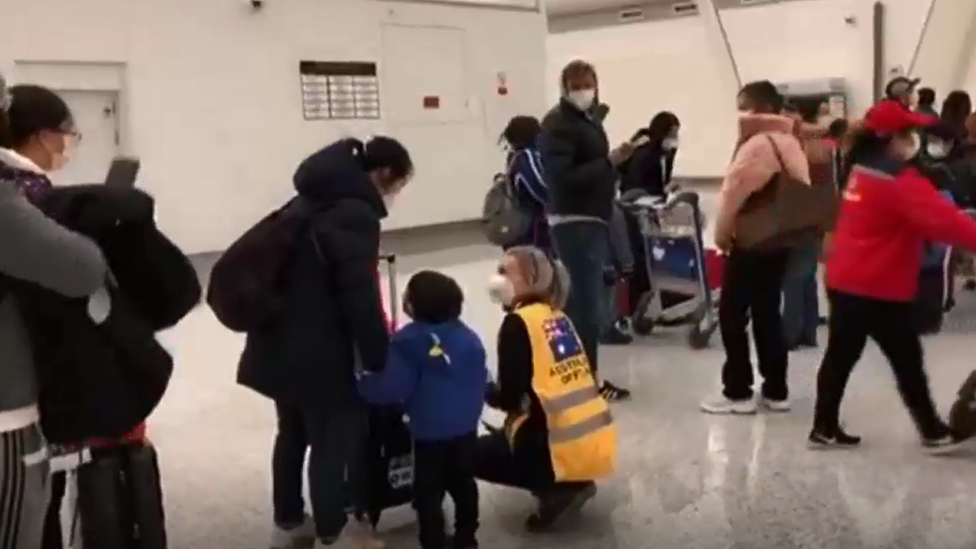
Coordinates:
column 503, row 220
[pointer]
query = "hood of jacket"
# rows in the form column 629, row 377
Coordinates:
column 751, row 124
column 336, row 173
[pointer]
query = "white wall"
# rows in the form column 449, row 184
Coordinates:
column 804, row 40
column 212, row 98
column 669, row 64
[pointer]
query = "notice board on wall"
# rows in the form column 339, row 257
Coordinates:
column 339, row 90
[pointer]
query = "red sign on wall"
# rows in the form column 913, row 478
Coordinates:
column 432, row 102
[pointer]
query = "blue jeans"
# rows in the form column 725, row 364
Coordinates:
column 801, row 304
column 584, row 248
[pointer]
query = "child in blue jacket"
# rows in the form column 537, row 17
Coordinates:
column 437, row 370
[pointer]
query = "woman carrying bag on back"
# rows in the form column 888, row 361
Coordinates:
column 753, row 279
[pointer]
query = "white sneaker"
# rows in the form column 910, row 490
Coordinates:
column 778, row 406
column 299, row 537
column 722, row 405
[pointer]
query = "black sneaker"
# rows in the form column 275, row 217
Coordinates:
column 558, row 503
column 970, row 285
column 822, row 440
column 612, row 393
column 456, row 543
column 617, row 336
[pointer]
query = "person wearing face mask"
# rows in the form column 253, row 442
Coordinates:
column 752, row 280
column 331, row 323
column 581, row 172
column 36, row 128
column 652, row 164
column 888, row 209
column 558, row 435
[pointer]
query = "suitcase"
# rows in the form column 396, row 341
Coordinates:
column 120, row 499
column 389, row 454
column 962, row 415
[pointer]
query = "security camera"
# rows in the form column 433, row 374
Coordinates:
column 256, row 4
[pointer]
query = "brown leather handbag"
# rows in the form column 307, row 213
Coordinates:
column 785, row 212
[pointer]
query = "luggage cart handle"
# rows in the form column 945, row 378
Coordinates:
column 662, row 205
column 683, row 197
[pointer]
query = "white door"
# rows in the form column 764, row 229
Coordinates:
column 96, row 118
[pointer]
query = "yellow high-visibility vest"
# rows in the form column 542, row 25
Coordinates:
column 582, row 435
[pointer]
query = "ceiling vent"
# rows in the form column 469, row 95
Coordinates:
column 684, row 8
column 630, row 15
column 755, row 2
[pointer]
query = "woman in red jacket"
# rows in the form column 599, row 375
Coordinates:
column 887, row 211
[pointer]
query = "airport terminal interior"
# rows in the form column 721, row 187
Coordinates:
column 686, row 479
column 220, row 100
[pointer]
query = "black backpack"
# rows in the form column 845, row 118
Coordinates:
column 244, row 291
column 157, row 278
column 101, row 378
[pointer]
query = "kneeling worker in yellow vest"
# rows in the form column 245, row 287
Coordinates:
column 558, row 435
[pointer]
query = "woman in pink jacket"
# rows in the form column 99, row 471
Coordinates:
column 752, row 280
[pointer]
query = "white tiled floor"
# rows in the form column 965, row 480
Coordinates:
column 685, row 479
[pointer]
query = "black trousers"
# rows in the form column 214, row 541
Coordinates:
column 337, row 443
column 445, row 467
column 752, row 286
column 53, row 535
column 891, row 325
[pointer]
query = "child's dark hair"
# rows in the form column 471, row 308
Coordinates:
column 522, row 131
column 433, row 297
column 838, row 128
column 385, row 152
column 32, row 109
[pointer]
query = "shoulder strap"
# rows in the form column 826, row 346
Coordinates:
column 779, row 157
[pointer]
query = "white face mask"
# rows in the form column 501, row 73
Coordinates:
column 937, row 150
column 500, row 290
column 583, row 99
column 60, row 160
column 670, row 144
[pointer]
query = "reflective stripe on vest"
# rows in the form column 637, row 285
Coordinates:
column 562, row 403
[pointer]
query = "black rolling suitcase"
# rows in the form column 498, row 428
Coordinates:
column 120, row 499
column 389, row 454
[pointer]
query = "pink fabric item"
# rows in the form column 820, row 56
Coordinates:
column 755, row 163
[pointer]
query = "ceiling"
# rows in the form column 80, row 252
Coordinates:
column 566, row 7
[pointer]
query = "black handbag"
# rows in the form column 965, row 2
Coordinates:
column 120, row 499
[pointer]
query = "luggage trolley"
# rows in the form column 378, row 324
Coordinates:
column 683, row 290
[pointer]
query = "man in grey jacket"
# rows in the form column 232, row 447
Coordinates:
column 34, row 249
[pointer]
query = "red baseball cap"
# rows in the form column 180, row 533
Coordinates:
column 890, row 117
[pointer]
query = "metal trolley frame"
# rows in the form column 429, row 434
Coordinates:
column 675, row 219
